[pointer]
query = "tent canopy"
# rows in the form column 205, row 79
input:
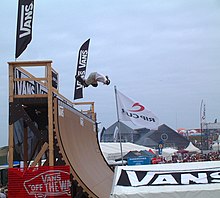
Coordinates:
column 112, row 150
column 192, row 148
column 135, row 154
column 216, row 146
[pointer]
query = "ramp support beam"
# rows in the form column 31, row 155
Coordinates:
column 19, row 77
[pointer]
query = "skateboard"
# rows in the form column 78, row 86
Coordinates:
column 82, row 82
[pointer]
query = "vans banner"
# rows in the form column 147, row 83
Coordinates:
column 190, row 179
column 24, row 25
column 81, row 68
column 39, row 182
column 154, row 178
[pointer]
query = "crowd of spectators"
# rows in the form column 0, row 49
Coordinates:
column 188, row 157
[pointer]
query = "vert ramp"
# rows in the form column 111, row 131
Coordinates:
column 78, row 143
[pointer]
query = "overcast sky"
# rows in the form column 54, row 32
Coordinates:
column 164, row 54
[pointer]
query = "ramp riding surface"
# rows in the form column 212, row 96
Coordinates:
column 78, row 143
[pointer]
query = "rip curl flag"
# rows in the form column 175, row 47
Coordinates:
column 24, row 25
column 81, row 68
column 130, row 110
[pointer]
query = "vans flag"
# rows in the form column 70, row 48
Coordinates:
column 130, row 110
column 81, row 68
column 24, row 25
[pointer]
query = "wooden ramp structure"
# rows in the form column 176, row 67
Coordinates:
column 45, row 126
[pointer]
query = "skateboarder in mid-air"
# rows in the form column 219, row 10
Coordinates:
column 93, row 79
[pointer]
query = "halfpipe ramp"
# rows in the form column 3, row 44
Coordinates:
column 78, row 143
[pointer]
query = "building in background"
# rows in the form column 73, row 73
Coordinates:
column 120, row 131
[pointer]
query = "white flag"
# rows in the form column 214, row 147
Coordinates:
column 203, row 114
column 135, row 112
column 115, row 135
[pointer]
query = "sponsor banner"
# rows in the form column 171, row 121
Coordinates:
column 81, row 68
column 33, row 87
column 130, row 110
column 24, row 25
column 27, row 87
column 196, row 174
column 54, row 79
column 193, row 179
column 149, row 178
column 139, row 161
column 193, row 173
column 39, row 182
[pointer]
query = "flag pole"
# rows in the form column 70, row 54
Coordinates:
column 201, row 127
column 119, row 125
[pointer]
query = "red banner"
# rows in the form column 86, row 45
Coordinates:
column 39, row 182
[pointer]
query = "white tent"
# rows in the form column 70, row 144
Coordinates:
column 192, row 148
column 216, row 146
column 194, row 179
column 168, row 152
column 112, row 150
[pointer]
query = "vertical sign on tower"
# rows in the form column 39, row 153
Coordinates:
column 24, row 25
column 81, row 69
